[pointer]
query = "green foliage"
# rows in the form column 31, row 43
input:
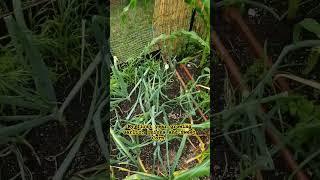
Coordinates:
column 12, row 74
column 23, row 60
column 250, row 143
column 202, row 95
column 123, row 148
column 60, row 40
column 307, row 115
column 132, row 4
column 204, row 125
column 256, row 71
column 191, row 37
column 308, row 24
column 23, row 41
column 147, row 80
column 199, row 170
column 61, row 34
column 148, row 101
column 203, row 9
column 118, row 86
column 293, row 7
column 312, row 26
column 204, row 98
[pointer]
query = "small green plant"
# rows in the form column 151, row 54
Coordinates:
column 307, row 115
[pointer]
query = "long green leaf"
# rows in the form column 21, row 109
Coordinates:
column 179, row 153
column 204, row 125
column 18, row 13
column 308, row 24
column 307, row 82
column 40, row 71
column 200, row 170
column 98, row 129
column 121, row 146
column 18, row 128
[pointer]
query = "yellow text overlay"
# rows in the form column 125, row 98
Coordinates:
column 158, row 132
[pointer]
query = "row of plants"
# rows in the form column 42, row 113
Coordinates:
column 62, row 41
column 146, row 91
column 49, row 46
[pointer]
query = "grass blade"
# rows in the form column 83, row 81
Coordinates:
column 179, row 153
column 83, row 43
column 202, row 169
column 80, row 83
column 121, row 146
column 204, row 125
column 18, row 13
column 307, row 82
column 98, row 129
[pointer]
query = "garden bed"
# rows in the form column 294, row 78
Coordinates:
column 54, row 94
